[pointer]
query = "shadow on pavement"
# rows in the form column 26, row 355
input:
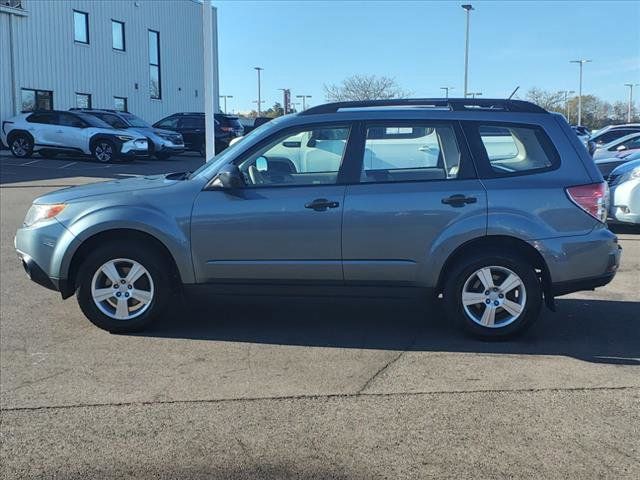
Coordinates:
column 590, row 330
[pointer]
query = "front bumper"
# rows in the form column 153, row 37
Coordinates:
column 137, row 147
column 625, row 202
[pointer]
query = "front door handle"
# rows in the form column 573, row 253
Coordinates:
column 321, row 204
column 459, row 200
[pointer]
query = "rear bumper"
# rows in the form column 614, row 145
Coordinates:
column 571, row 286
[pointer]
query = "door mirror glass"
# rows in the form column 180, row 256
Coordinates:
column 228, row 178
column 262, row 164
column 621, row 147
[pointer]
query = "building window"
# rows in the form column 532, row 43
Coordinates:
column 81, row 27
column 117, row 34
column 36, row 100
column 83, row 100
column 155, row 81
column 120, row 104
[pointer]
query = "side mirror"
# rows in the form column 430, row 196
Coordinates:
column 621, row 147
column 228, row 178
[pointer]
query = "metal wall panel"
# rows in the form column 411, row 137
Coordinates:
column 47, row 58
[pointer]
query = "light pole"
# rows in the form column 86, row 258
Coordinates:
column 581, row 62
column 224, row 100
column 304, row 101
column 286, row 100
column 259, row 69
column 630, row 85
column 468, row 8
column 446, row 91
column 566, row 102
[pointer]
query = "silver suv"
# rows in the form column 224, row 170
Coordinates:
column 493, row 205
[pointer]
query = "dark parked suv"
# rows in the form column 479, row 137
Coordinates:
column 494, row 205
column 192, row 127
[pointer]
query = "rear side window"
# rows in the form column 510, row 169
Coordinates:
column 192, row 122
column 170, row 123
column 46, row 118
column 517, row 149
column 400, row 153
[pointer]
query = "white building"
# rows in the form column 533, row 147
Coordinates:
column 145, row 56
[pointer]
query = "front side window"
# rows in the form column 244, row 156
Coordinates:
column 120, row 104
column 36, row 100
column 517, row 149
column 309, row 157
column 632, row 143
column 117, row 35
column 69, row 120
column 83, row 100
column 170, row 123
column 396, row 153
column 80, row 27
column 155, row 82
column 44, row 118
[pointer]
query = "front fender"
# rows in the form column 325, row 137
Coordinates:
column 172, row 233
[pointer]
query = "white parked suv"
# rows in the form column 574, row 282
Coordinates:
column 52, row 132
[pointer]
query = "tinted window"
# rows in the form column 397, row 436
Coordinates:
column 69, row 120
column 92, row 121
column 117, row 35
column 135, row 121
column 395, row 153
column 524, row 149
column 309, row 157
column 170, row 123
column 633, row 143
column 192, row 122
column 612, row 135
column 80, row 26
column 111, row 119
column 228, row 121
column 40, row 118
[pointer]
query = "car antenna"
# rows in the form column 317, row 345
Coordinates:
column 514, row 92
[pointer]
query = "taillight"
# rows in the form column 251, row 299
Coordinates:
column 226, row 129
column 592, row 198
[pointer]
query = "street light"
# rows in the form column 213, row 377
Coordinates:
column 566, row 102
column 224, row 99
column 468, row 8
column 446, row 91
column 286, row 96
column 581, row 62
column 304, row 101
column 259, row 69
column 630, row 85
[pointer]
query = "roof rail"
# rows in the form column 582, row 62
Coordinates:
column 455, row 104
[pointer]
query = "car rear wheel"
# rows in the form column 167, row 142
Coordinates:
column 104, row 151
column 21, row 145
column 122, row 288
column 493, row 295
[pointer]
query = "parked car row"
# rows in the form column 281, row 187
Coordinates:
column 109, row 135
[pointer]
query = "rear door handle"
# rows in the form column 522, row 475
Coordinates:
column 459, row 200
column 321, row 204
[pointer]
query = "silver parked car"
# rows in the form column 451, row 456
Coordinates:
column 624, row 183
column 628, row 142
column 493, row 204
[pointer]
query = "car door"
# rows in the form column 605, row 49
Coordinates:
column 285, row 224
column 42, row 126
column 405, row 206
column 192, row 129
column 70, row 132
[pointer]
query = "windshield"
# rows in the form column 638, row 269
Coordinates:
column 135, row 121
column 93, row 121
column 229, row 152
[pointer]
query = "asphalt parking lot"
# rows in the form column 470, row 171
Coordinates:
column 285, row 389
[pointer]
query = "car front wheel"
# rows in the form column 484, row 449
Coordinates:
column 104, row 151
column 122, row 288
column 493, row 295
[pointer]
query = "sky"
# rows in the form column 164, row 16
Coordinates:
column 303, row 45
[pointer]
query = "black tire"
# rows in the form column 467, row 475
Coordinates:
column 163, row 155
column 21, row 145
column 157, row 269
column 104, row 151
column 464, row 270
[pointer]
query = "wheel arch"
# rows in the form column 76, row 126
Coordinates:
column 12, row 134
column 501, row 243
column 119, row 235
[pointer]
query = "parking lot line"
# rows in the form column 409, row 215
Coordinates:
column 68, row 165
column 29, row 163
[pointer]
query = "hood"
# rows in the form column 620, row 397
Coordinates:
column 626, row 167
column 128, row 185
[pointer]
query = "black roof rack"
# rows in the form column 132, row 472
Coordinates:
column 455, row 104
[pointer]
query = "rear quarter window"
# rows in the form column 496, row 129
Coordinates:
column 513, row 149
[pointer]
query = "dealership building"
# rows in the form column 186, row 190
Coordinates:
column 142, row 56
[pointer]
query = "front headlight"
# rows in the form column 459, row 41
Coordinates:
column 124, row 138
column 631, row 175
column 39, row 213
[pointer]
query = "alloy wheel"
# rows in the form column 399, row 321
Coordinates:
column 20, row 146
column 494, row 296
column 122, row 289
column 104, row 152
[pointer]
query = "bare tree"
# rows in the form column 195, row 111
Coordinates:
column 364, row 87
column 549, row 100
